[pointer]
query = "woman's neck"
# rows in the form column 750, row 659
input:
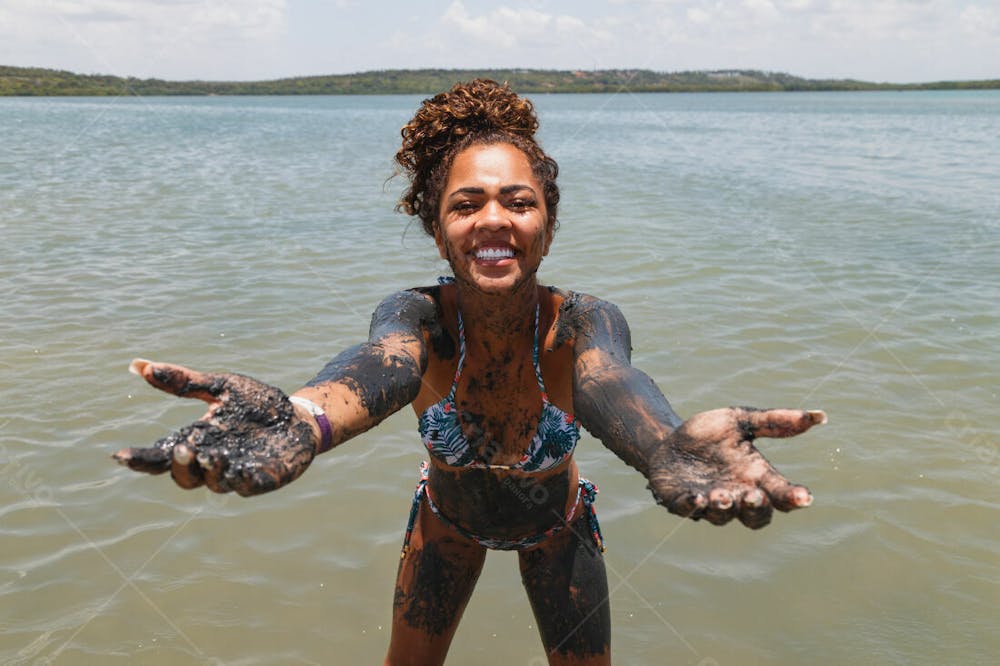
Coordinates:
column 498, row 320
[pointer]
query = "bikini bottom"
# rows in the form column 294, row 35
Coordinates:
column 585, row 490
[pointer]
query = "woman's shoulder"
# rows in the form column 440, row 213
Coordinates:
column 414, row 312
column 573, row 304
column 408, row 310
column 420, row 301
column 425, row 295
column 582, row 314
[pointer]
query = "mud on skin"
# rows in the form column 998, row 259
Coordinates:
column 251, row 442
column 577, row 317
column 690, row 476
column 568, row 590
column 430, row 318
column 440, row 589
column 501, row 506
column 385, row 381
column 616, row 403
column 259, row 444
column 487, row 443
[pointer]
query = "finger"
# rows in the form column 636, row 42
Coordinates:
column 721, row 506
column 213, row 465
column 783, row 495
column 778, row 422
column 250, row 481
column 180, row 381
column 685, row 504
column 184, row 468
column 755, row 510
column 151, row 460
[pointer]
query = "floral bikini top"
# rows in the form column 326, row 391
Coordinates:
column 554, row 440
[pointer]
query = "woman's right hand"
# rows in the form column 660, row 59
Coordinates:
column 252, row 439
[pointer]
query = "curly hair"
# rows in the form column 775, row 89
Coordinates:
column 480, row 112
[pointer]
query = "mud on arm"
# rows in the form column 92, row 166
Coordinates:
column 365, row 384
column 253, row 439
column 615, row 402
column 704, row 467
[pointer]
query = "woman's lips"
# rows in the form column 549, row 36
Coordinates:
column 494, row 253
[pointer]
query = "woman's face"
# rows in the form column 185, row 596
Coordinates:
column 492, row 226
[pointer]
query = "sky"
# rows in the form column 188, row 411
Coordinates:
column 899, row 41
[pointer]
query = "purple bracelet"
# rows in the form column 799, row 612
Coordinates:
column 326, row 432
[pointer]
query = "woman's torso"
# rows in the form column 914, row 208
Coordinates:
column 506, row 470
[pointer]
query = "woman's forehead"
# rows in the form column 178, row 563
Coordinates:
column 498, row 164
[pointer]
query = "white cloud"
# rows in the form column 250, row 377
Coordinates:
column 762, row 8
column 880, row 40
column 509, row 29
column 252, row 18
column 981, row 21
column 883, row 40
column 137, row 37
column 497, row 29
column 698, row 15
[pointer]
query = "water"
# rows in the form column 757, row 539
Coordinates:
column 835, row 251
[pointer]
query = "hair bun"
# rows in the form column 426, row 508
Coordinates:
column 477, row 107
column 485, row 105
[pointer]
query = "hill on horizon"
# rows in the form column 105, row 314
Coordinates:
column 32, row 81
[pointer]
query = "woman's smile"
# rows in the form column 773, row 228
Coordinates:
column 493, row 228
column 494, row 254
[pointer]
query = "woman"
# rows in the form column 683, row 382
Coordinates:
column 501, row 372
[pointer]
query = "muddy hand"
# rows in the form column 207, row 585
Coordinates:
column 709, row 467
column 251, row 440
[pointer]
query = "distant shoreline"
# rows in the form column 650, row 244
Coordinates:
column 39, row 82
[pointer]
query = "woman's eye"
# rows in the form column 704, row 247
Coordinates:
column 521, row 204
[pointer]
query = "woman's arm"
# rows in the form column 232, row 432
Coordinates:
column 705, row 467
column 365, row 384
column 253, row 439
column 616, row 402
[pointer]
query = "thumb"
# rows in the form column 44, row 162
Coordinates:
column 180, row 381
column 778, row 422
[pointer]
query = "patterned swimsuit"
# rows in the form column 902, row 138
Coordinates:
column 555, row 438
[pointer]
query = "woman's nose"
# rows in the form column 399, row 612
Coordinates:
column 494, row 216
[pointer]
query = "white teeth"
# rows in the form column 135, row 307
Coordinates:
column 494, row 253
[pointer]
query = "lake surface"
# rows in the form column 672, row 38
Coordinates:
column 831, row 250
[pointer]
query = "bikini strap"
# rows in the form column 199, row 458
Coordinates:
column 461, row 350
column 461, row 357
column 443, row 280
column 590, row 491
column 418, row 494
column 535, row 358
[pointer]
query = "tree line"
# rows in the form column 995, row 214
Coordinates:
column 31, row 81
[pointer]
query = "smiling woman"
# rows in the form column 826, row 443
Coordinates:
column 502, row 373
column 493, row 229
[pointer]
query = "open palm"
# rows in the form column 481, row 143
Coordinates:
column 709, row 467
column 250, row 441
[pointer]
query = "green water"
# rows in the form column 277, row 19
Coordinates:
column 835, row 251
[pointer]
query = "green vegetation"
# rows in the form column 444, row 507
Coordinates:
column 25, row 81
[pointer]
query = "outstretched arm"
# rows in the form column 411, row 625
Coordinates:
column 253, row 439
column 365, row 384
column 705, row 467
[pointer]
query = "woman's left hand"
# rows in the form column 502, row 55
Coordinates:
column 709, row 468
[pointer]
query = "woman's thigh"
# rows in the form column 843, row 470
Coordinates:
column 568, row 589
column 436, row 577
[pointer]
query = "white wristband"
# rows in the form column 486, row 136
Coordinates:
column 326, row 432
